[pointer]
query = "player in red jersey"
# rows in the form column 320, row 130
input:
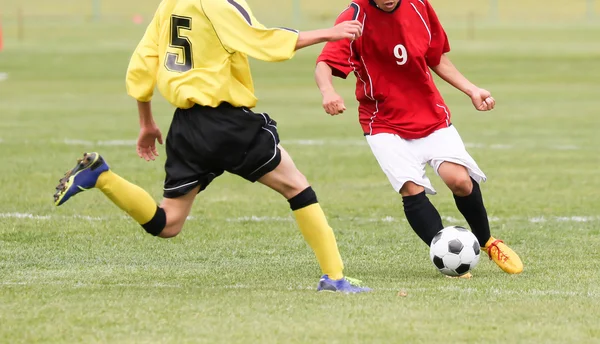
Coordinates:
column 403, row 116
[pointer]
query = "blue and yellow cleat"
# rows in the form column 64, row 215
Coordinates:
column 81, row 178
column 345, row 285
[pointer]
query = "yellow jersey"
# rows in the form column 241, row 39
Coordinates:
column 196, row 52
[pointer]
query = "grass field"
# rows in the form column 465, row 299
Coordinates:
column 506, row 8
column 300, row 12
column 240, row 271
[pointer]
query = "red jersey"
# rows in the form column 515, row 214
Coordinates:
column 394, row 87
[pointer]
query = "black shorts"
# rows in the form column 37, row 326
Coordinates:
column 203, row 142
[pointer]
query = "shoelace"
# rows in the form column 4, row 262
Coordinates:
column 68, row 172
column 355, row 282
column 500, row 253
column 65, row 178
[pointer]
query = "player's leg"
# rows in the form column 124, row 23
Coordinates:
column 420, row 213
column 186, row 175
column 287, row 180
column 468, row 198
column 187, row 169
column 460, row 173
column 92, row 171
column 263, row 160
column 168, row 218
column 405, row 169
column 177, row 211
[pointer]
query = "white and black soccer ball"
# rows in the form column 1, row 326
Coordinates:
column 454, row 251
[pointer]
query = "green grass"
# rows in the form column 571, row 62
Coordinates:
column 552, row 10
column 240, row 271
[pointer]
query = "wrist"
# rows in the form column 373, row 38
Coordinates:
column 147, row 123
column 471, row 90
column 329, row 34
column 327, row 90
column 145, row 114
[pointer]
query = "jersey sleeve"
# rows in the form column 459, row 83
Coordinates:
column 143, row 65
column 240, row 31
column 338, row 55
column 439, row 40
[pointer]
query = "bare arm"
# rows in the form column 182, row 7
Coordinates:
column 145, row 114
column 482, row 99
column 447, row 71
column 149, row 132
column 346, row 30
column 332, row 101
column 239, row 30
column 308, row 38
column 324, row 78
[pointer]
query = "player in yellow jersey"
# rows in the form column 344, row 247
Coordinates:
column 196, row 52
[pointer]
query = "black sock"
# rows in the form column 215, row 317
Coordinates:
column 158, row 222
column 303, row 199
column 422, row 216
column 474, row 212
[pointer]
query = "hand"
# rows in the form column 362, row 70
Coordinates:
column 146, row 145
column 333, row 103
column 482, row 99
column 348, row 29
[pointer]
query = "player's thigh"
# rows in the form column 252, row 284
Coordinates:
column 456, row 177
column 177, row 211
column 186, row 173
column 401, row 162
column 189, row 164
column 285, row 178
column 411, row 189
column 264, row 160
column 448, row 156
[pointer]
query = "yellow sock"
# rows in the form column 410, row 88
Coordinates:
column 134, row 200
column 320, row 237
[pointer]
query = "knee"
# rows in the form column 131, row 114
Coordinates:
column 460, row 186
column 411, row 189
column 174, row 221
column 170, row 231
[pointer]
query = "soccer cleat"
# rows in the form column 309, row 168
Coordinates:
column 81, row 178
column 345, row 285
column 502, row 255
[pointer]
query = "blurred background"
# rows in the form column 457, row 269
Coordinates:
column 62, row 58
column 30, row 19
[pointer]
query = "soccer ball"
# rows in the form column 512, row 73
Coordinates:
column 454, row 251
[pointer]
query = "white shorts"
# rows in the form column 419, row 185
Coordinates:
column 405, row 160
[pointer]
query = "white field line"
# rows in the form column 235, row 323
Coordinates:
column 71, row 142
column 308, row 142
column 26, row 216
column 260, row 219
column 254, row 218
column 239, row 286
